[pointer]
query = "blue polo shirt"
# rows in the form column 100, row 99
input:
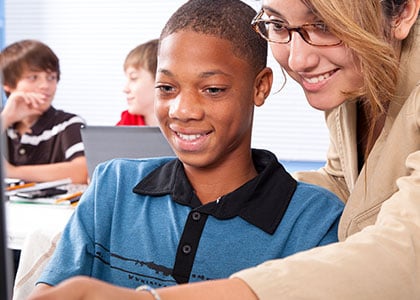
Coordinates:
column 140, row 222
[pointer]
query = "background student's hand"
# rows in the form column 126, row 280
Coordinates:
column 85, row 288
column 20, row 105
column 8, row 168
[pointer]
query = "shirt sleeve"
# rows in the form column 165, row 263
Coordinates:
column 71, row 139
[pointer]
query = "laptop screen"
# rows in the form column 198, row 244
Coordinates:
column 106, row 142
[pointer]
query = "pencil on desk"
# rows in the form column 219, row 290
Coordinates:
column 75, row 201
column 72, row 202
column 69, row 197
column 20, row 186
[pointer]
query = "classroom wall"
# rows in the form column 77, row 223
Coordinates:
column 92, row 38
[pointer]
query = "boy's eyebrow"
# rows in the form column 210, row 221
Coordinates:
column 205, row 74
column 165, row 72
column 212, row 73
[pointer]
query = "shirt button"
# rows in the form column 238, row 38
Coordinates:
column 22, row 151
column 196, row 216
column 186, row 249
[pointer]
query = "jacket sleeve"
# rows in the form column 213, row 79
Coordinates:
column 380, row 262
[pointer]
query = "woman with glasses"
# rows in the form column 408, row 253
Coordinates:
column 357, row 60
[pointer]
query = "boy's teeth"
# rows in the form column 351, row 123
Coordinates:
column 189, row 137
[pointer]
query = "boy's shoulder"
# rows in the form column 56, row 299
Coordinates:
column 61, row 115
column 126, row 167
column 310, row 192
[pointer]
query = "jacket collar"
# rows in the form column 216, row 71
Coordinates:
column 409, row 67
column 261, row 201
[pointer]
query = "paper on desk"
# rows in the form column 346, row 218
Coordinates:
column 40, row 186
column 49, row 201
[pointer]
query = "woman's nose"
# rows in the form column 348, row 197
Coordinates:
column 302, row 56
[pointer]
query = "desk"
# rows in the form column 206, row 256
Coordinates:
column 24, row 218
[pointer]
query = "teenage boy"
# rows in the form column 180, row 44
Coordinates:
column 216, row 208
column 44, row 144
column 140, row 69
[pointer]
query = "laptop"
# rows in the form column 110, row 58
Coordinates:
column 6, row 259
column 106, row 142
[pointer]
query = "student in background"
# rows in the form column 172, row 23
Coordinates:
column 44, row 143
column 217, row 207
column 140, row 70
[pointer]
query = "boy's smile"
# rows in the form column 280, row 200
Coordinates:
column 204, row 98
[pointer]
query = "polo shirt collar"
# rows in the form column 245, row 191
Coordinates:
column 45, row 118
column 262, row 201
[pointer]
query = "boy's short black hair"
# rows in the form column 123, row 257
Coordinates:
column 226, row 19
column 26, row 55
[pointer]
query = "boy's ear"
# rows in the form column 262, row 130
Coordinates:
column 407, row 18
column 263, row 83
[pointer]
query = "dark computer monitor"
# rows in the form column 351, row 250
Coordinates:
column 6, row 262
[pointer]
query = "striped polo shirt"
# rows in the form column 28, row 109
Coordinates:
column 55, row 137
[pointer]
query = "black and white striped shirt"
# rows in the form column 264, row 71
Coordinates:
column 55, row 138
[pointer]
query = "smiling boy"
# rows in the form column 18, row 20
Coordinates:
column 219, row 206
column 44, row 143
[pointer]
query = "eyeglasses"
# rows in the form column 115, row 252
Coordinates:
column 275, row 31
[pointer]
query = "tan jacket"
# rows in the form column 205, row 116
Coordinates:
column 375, row 262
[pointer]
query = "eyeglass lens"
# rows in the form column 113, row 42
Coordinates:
column 314, row 34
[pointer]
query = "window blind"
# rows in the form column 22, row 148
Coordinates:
column 92, row 38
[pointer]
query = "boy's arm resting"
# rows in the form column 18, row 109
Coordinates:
column 75, row 169
column 92, row 289
column 372, row 264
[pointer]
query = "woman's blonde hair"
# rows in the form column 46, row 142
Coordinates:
column 365, row 27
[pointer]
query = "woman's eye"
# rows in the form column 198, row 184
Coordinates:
column 278, row 26
column 321, row 27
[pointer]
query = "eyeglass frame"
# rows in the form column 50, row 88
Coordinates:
column 299, row 29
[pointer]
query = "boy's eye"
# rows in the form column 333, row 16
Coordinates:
column 52, row 77
column 165, row 89
column 32, row 77
column 215, row 90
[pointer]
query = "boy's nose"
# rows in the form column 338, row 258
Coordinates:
column 185, row 106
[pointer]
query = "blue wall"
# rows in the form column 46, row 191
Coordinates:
column 1, row 24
